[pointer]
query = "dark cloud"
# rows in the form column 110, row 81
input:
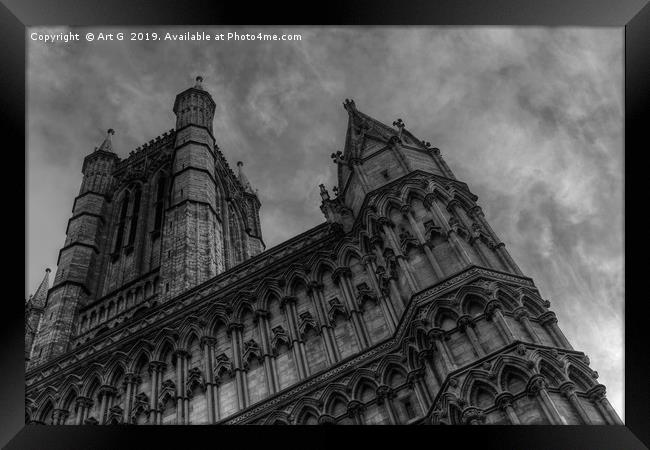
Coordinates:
column 530, row 118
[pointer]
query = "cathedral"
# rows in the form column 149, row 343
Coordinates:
column 402, row 307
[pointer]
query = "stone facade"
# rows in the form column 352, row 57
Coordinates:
column 403, row 307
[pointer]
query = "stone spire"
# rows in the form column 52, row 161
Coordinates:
column 107, row 145
column 39, row 298
column 244, row 179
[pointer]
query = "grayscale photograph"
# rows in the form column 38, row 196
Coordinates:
column 324, row 225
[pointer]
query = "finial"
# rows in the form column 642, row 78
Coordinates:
column 240, row 164
column 199, row 80
column 110, row 131
column 337, row 157
column 349, row 105
column 323, row 192
column 48, row 270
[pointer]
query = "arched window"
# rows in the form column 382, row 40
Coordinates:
column 158, row 205
column 120, row 226
column 134, row 215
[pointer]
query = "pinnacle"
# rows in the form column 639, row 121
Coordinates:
column 107, row 145
column 244, row 179
column 40, row 296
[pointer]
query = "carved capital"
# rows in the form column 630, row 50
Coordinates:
column 425, row 355
column 568, row 388
column 476, row 211
column 547, row 318
column 235, row 326
column 209, row 341
column 535, row 385
column 181, row 354
column 376, row 240
column 355, row 408
column 287, row 300
column 341, row 272
column 405, row 209
column 107, row 390
column 415, row 375
column 326, row 419
column 503, row 400
column 368, row 258
column 491, row 307
column 385, row 222
column 130, row 378
column 384, row 392
column 465, row 321
column 60, row 415
column 452, row 204
column 84, row 402
column 521, row 313
column 473, row 416
column 314, row 286
column 437, row 334
column 157, row 366
column 597, row 393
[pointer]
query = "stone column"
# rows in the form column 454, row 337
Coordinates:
column 503, row 401
column 473, row 416
column 522, row 315
column 207, row 344
column 568, row 389
column 549, row 321
column 297, row 345
column 156, row 368
column 262, row 318
column 235, row 330
column 438, row 337
column 461, row 254
column 386, row 305
column 416, row 381
column 493, row 313
column 466, row 325
column 106, row 392
column 537, row 388
column 59, row 416
column 407, row 211
column 83, row 405
column 355, row 411
column 426, row 356
column 385, row 398
column 182, row 413
column 315, row 291
column 500, row 249
column 79, row 411
column 342, row 277
column 130, row 380
column 597, row 395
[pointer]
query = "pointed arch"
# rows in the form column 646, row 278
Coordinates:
column 363, row 386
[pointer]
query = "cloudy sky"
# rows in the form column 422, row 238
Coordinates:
column 530, row 118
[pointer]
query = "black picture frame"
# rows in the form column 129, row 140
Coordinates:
column 633, row 15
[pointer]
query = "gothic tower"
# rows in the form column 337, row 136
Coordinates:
column 192, row 248
column 79, row 259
